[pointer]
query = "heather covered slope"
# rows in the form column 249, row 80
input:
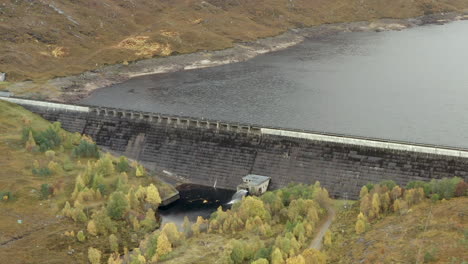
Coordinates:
column 43, row 39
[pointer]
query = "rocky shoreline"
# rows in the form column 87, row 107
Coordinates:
column 74, row 88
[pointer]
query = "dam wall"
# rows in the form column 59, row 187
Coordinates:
column 205, row 152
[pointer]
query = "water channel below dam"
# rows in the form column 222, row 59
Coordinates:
column 409, row 85
column 195, row 200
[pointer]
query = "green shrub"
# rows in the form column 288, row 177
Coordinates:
column 68, row 165
column 151, row 246
column 117, row 206
column 6, row 196
column 123, row 165
column 43, row 172
column 47, row 139
column 263, row 253
column 370, row 186
column 46, row 191
column 295, row 191
column 445, row 188
column 86, row 150
column 238, row 251
column 388, row 183
column 80, row 236
column 102, row 189
column 435, row 197
column 429, row 256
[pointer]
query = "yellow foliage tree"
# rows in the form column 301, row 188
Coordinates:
column 277, row 257
column 299, row 259
column 104, row 166
column 50, row 154
column 395, row 193
column 152, row 195
column 361, row 223
column 54, row 167
column 375, row 206
column 31, row 143
column 94, row 255
column 313, row 256
column 172, row 233
column 149, row 223
column 91, row 227
column 260, row 261
column 164, row 246
column 114, row 258
column 135, row 224
column 140, row 171
column 366, row 205
column 400, row 206
column 312, row 214
column 66, row 211
column 114, row 243
column 364, row 191
column 140, row 193
column 385, row 202
column 360, row 226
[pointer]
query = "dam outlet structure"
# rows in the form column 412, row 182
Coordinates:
column 207, row 152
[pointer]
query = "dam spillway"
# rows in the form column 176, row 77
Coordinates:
column 205, row 152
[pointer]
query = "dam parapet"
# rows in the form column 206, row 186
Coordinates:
column 208, row 152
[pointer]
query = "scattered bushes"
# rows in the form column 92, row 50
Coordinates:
column 377, row 200
column 43, row 172
column 445, row 188
column 45, row 140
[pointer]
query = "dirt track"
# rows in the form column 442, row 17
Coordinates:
column 317, row 242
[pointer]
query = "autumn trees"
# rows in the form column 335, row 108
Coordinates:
column 273, row 228
column 386, row 197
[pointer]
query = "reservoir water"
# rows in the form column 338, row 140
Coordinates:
column 409, row 85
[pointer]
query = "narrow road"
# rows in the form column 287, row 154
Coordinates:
column 317, row 242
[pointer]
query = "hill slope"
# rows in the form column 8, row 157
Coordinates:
column 428, row 233
column 34, row 186
column 43, row 39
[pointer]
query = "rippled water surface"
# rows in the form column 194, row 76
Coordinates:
column 409, row 85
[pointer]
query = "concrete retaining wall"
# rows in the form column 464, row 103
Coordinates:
column 207, row 151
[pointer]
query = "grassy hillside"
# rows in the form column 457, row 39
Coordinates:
column 43, row 39
column 428, row 232
column 35, row 185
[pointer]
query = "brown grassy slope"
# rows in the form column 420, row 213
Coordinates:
column 428, row 233
column 45, row 38
column 39, row 224
column 40, row 237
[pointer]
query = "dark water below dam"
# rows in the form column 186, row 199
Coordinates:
column 195, row 200
column 409, row 85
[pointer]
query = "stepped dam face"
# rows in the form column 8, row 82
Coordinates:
column 204, row 152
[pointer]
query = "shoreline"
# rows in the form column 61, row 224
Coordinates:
column 71, row 89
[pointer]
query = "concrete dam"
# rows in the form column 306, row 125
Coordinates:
column 207, row 152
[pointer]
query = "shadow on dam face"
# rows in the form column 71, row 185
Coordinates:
column 205, row 152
